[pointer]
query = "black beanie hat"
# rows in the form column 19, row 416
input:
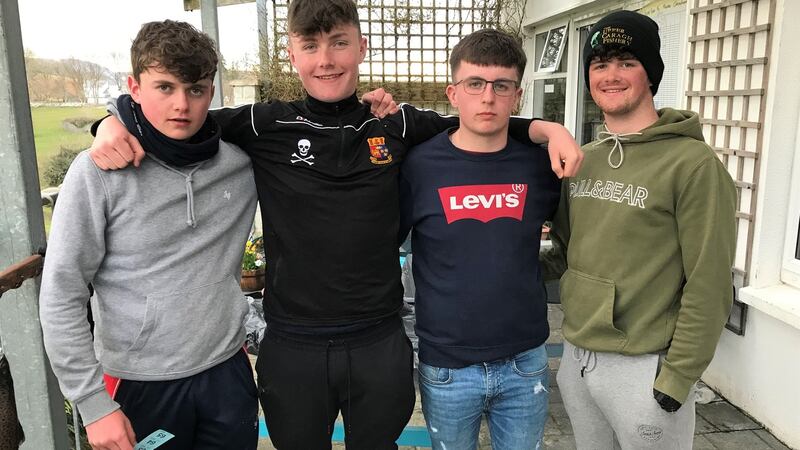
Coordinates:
column 635, row 32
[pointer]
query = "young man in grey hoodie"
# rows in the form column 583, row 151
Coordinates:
column 162, row 247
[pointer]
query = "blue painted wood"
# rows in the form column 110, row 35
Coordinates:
column 411, row 436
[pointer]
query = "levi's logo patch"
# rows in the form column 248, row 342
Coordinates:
column 484, row 202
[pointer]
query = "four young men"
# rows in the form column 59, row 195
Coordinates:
column 326, row 171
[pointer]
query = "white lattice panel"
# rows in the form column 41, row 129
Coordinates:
column 729, row 41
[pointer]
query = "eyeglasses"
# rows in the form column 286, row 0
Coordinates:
column 476, row 86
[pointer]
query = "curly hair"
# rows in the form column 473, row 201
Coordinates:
column 177, row 47
column 605, row 53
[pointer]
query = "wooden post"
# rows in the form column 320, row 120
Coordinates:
column 39, row 402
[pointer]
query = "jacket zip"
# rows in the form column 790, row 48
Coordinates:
column 341, row 137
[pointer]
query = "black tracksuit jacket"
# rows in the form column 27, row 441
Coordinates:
column 327, row 180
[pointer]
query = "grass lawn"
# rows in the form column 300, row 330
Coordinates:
column 49, row 133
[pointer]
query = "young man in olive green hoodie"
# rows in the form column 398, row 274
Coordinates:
column 647, row 229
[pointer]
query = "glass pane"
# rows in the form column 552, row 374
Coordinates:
column 797, row 245
column 551, row 58
column 589, row 116
column 549, row 97
column 539, row 41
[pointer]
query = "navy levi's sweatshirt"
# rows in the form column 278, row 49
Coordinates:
column 475, row 223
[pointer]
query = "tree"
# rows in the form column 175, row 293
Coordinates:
column 75, row 71
column 95, row 75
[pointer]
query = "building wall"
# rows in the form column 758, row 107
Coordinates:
column 541, row 10
column 758, row 371
column 740, row 72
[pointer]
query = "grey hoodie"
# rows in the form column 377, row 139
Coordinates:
column 162, row 247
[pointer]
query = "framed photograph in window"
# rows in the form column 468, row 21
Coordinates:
column 553, row 49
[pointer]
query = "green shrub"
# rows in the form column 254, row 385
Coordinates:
column 79, row 122
column 57, row 166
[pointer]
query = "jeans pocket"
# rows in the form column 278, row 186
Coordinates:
column 531, row 363
column 434, row 375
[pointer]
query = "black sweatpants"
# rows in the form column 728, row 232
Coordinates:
column 11, row 435
column 304, row 381
column 214, row 409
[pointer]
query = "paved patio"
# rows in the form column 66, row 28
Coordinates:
column 719, row 425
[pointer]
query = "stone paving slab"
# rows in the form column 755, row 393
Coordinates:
column 701, row 426
column 725, row 417
column 737, row 440
column 770, row 440
column 702, row 443
column 719, row 425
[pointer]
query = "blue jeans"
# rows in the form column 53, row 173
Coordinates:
column 512, row 392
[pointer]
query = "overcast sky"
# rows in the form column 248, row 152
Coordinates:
column 101, row 31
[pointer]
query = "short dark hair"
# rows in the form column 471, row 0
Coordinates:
column 177, row 47
column 489, row 48
column 309, row 17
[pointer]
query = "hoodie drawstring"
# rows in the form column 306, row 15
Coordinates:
column 618, row 139
column 191, row 221
column 587, row 358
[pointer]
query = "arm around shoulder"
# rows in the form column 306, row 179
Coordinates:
column 566, row 155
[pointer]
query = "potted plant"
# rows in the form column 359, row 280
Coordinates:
column 253, row 264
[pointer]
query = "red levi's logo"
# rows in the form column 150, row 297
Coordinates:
column 484, row 202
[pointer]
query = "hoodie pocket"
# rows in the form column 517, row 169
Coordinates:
column 588, row 303
column 205, row 319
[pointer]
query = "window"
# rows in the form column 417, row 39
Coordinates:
column 589, row 118
column 552, row 49
column 797, row 244
column 550, row 77
column 549, row 99
column 790, row 273
column 670, row 28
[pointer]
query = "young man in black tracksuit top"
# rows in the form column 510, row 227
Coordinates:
column 327, row 177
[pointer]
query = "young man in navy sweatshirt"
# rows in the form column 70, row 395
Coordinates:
column 476, row 200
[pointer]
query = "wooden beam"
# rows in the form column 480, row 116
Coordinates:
column 737, row 62
column 720, row 5
column 191, row 5
column 730, row 123
column 729, row 33
column 725, row 93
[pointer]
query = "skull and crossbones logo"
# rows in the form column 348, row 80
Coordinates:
column 303, row 147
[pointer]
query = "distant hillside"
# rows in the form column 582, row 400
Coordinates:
column 70, row 80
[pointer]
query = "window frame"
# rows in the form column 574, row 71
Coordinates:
column 790, row 265
column 564, row 27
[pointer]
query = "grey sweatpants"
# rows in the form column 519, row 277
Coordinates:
column 612, row 407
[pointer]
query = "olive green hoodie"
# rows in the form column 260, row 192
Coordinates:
column 649, row 248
